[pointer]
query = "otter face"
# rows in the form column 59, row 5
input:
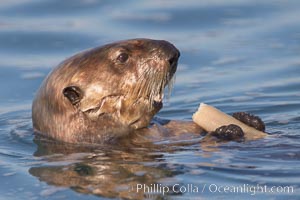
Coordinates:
column 109, row 90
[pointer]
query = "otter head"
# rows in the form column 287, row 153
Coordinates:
column 105, row 92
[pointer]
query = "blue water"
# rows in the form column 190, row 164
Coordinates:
column 235, row 55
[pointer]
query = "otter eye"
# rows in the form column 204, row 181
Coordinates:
column 123, row 57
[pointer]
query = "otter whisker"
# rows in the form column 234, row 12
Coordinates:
column 144, row 87
column 151, row 84
column 170, row 86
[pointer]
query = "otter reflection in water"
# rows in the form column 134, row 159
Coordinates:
column 106, row 170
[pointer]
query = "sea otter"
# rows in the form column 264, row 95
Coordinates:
column 109, row 92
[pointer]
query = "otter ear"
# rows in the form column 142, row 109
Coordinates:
column 73, row 93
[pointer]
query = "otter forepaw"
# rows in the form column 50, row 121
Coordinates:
column 250, row 120
column 234, row 132
column 230, row 132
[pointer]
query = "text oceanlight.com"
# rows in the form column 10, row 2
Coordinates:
column 212, row 188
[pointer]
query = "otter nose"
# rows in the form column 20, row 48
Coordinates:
column 171, row 53
column 174, row 58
